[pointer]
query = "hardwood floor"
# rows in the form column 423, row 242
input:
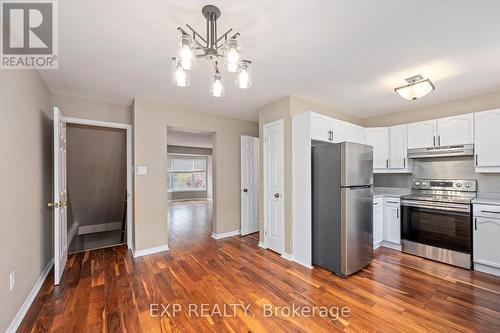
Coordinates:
column 108, row 290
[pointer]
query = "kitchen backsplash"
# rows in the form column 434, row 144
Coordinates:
column 445, row 168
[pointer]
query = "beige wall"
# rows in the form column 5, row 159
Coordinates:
column 445, row 109
column 300, row 105
column 26, row 185
column 150, row 149
column 86, row 108
column 97, row 173
column 285, row 108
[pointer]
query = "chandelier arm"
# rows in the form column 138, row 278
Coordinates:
column 196, row 33
column 224, row 35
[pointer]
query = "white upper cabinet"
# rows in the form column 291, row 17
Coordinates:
column 339, row 129
column 458, row 130
column 487, row 141
column 356, row 134
column 325, row 128
column 398, row 148
column 378, row 138
column 422, row 134
column 320, row 127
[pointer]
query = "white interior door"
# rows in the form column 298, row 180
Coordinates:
column 249, row 185
column 60, row 197
column 273, row 186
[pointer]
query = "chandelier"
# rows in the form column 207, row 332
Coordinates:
column 221, row 51
column 417, row 87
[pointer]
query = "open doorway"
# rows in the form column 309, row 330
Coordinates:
column 97, row 186
column 190, row 185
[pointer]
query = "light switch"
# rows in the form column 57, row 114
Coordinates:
column 142, row 170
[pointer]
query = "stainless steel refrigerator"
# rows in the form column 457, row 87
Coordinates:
column 342, row 206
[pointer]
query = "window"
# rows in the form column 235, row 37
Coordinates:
column 187, row 173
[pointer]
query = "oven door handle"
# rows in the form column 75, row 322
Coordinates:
column 446, row 207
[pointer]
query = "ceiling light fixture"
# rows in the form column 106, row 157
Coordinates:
column 226, row 49
column 417, row 87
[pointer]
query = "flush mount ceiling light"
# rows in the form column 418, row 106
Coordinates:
column 417, row 87
column 224, row 50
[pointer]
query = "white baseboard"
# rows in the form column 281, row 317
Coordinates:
column 391, row 246
column 303, row 264
column 486, row 269
column 225, row 234
column 151, row 250
column 376, row 245
column 262, row 245
column 287, row 256
column 14, row 325
column 89, row 229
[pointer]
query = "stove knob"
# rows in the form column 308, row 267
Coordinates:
column 417, row 183
column 467, row 185
column 459, row 184
column 424, row 184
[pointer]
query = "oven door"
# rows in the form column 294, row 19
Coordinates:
column 440, row 225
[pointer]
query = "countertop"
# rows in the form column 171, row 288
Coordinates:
column 394, row 192
column 486, row 198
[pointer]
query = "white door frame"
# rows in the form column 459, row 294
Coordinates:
column 128, row 129
column 266, row 176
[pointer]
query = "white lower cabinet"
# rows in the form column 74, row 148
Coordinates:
column 392, row 221
column 386, row 223
column 486, row 237
column 378, row 222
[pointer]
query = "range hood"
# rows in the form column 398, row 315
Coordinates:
column 442, row 151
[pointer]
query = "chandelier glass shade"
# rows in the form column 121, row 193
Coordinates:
column 244, row 78
column 221, row 51
column 180, row 77
column 217, row 86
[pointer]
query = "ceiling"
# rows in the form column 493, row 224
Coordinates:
column 188, row 138
column 348, row 55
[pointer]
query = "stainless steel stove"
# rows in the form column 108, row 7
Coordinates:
column 436, row 220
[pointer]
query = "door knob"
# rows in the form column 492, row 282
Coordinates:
column 276, row 195
column 53, row 205
column 245, row 190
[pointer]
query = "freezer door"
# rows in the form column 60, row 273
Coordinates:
column 357, row 164
column 356, row 228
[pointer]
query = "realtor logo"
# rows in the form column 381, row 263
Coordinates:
column 29, row 34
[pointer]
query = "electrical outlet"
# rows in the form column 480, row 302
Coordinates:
column 12, row 279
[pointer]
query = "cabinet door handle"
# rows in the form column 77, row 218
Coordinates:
column 475, row 223
column 375, row 203
column 404, row 162
column 387, row 164
column 397, row 213
column 476, row 159
column 439, row 140
column 393, row 202
column 434, row 140
column 489, row 211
